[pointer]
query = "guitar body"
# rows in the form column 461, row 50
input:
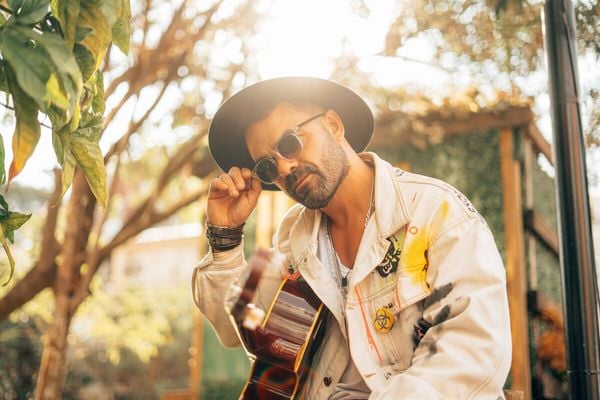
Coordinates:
column 284, row 345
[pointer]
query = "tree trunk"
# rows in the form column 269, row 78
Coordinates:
column 53, row 367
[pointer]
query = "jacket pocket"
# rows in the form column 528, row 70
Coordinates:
column 393, row 325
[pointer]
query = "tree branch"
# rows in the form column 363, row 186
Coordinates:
column 41, row 275
column 120, row 145
column 99, row 255
column 150, row 218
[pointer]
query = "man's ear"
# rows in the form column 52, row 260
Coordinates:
column 334, row 124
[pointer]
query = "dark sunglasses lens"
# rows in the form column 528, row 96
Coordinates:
column 289, row 146
column 266, row 170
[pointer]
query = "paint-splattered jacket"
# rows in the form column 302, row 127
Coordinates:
column 430, row 259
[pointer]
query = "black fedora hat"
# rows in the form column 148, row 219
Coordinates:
column 230, row 123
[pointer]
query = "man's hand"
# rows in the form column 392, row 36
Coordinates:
column 232, row 197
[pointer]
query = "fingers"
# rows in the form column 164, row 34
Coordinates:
column 237, row 177
column 234, row 182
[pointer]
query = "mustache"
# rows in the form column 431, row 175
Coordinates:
column 297, row 174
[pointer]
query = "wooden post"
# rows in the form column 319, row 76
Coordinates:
column 196, row 356
column 264, row 220
column 515, row 263
column 529, row 160
column 196, row 350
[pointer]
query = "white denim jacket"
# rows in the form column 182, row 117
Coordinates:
column 429, row 258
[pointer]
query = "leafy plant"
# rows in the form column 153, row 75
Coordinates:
column 50, row 54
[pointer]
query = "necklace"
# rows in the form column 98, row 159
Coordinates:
column 335, row 264
column 343, row 280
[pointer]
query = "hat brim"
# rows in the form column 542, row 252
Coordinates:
column 230, row 124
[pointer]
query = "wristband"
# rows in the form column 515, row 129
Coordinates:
column 221, row 238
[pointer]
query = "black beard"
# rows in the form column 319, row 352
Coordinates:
column 333, row 167
column 318, row 193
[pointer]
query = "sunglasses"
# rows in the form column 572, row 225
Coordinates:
column 289, row 146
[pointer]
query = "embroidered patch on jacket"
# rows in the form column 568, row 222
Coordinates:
column 391, row 260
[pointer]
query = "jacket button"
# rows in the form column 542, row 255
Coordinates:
column 327, row 380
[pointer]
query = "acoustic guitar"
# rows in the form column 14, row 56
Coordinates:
column 281, row 343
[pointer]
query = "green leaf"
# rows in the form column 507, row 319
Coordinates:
column 15, row 221
column 65, row 65
column 32, row 11
column 111, row 10
column 54, row 93
column 10, row 222
column 92, row 16
column 68, row 172
column 10, row 258
column 121, row 35
column 67, row 13
column 85, row 60
column 30, row 63
column 2, row 170
column 58, row 147
column 27, row 129
column 121, row 30
column 58, row 118
column 84, row 146
column 65, row 158
column 98, row 103
column 91, row 127
column 82, row 33
column 3, row 83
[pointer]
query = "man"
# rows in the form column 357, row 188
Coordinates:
column 407, row 267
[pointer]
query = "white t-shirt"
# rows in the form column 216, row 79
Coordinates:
column 351, row 385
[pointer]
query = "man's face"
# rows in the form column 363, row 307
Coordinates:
column 314, row 176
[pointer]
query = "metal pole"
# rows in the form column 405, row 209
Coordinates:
column 580, row 284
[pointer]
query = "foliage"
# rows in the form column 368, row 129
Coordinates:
column 10, row 221
column 131, row 342
column 464, row 161
column 172, row 70
column 50, row 54
column 133, row 318
column 499, row 44
column 93, row 365
column 19, row 358
column 419, row 118
column 496, row 35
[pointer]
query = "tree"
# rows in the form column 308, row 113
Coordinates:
column 49, row 63
column 499, row 43
column 180, row 68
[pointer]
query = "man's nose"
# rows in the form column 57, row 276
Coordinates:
column 286, row 166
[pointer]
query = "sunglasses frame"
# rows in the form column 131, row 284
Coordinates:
column 288, row 132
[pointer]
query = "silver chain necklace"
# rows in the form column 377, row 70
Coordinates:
column 343, row 280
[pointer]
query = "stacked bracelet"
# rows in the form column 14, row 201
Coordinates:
column 221, row 238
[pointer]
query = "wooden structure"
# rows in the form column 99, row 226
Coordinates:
column 524, row 227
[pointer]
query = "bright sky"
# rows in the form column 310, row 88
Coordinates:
column 302, row 38
column 297, row 38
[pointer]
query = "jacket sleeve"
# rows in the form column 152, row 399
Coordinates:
column 211, row 279
column 215, row 273
column 466, row 352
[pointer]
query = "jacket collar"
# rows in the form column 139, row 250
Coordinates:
column 390, row 213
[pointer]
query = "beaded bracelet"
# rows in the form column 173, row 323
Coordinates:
column 221, row 238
